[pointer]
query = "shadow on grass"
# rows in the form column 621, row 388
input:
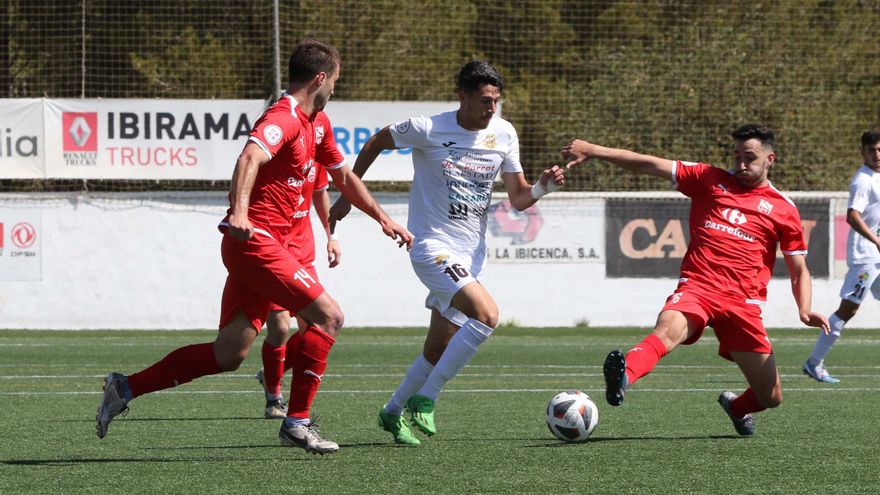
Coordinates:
column 639, row 439
column 126, row 420
column 133, row 460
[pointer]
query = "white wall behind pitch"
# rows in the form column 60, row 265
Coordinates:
column 152, row 262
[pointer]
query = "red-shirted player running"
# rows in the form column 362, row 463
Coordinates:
column 737, row 219
column 269, row 175
column 301, row 243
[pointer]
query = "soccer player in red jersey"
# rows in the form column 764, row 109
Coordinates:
column 301, row 243
column 282, row 149
column 737, row 220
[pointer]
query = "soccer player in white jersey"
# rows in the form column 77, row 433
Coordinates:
column 862, row 253
column 456, row 157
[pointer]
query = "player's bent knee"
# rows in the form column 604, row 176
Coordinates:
column 488, row 316
column 490, row 320
column 277, row 331
column 771, row 400
column 331, row 322
column 230, row 362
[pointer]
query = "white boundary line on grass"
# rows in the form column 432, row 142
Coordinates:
column 471, row 391
column 733, row 371
column 470, row 366
column 416, row 342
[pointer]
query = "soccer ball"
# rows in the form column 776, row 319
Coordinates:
column 572, row 416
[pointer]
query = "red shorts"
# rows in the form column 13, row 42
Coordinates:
column 738, row 324
column 312, row 272
column 262, row 271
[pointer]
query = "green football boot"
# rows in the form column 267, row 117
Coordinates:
column 398, row 427
column 422, row 410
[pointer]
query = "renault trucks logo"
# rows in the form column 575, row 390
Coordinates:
column 23, row 235
column 80, row 139
column 733, row 216
column 80, row 131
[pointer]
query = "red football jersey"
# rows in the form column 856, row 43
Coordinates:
column 293, row 142
column 734, row 231
column 301, row 239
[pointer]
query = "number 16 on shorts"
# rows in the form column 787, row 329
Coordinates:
column 456, row 272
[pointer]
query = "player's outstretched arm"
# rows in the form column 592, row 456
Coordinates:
column 579, row 151
column 377, row 143
column 802, row 288
column 321, row 203
column 246, row 168
column 522, row 194
column 352, row 189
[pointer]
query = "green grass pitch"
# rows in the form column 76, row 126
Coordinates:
column 209, row 436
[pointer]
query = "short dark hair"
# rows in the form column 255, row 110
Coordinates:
column 755, row 131
column 870, row 137
column 477, row 73
column 309, row 58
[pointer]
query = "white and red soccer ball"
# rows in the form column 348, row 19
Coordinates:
column 572, row 416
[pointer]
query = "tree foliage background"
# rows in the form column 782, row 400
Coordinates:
column 665, row 77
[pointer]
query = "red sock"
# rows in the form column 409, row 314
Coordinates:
column 273, row 367
column 746, row 403
column 292, row 350
column 642, row 358
column 308, row 369
column 181, row 366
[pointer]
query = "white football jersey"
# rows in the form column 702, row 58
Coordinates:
column 864, row 197
column 453, row 173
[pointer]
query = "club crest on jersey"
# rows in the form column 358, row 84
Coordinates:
column 489, row 142
column 733, row 216
column 441, row 259
column 319, row 134
column 765, row 207
column 402, row 127
column 312, row 174
column 273, row 134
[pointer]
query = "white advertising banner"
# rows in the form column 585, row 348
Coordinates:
column 197, row 139
column 21, row 138
column 146, row 139
column 21, row 234
column 354, row 122
column 554, row 230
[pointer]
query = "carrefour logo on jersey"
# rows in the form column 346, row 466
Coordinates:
column 351, row 140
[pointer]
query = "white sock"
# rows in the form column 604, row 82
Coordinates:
column 462, row 347
column 824, row 343
column 291, row 422
column 415, row 377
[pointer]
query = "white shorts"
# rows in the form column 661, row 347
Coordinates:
column 857, row 281
column 444, row 270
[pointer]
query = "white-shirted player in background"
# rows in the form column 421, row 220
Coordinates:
column 862, row 253
column 456, row 157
